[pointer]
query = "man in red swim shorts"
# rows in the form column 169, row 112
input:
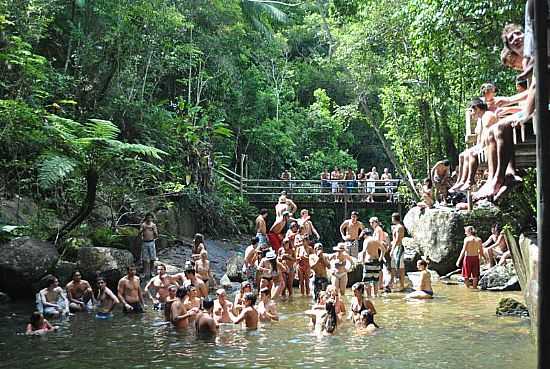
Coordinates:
column 471, row 252
column 277, row 231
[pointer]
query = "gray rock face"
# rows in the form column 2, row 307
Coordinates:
column 23, row 263
column 234, row 268
column 500, row 278
column 63, row 271
column 17, row 211
column 439, row 233
column 111, row 263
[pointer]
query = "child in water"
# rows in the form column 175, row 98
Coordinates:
column 424, row 290
column 38, row 325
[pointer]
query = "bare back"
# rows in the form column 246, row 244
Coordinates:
column 472, row 246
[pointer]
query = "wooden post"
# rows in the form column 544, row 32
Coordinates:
column 469, row 199
column 542, row 115
column 241, row 185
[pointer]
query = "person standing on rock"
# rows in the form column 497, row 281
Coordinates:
column 160, row 283
column 470, row 255
column 198, row 247
column 149, row 233
column 129, row 292
column 397, row 252
column 79, row 293
column 441, row 175
column 350, row 231
column 319, row 263
column 261, row 226
column 309, row 228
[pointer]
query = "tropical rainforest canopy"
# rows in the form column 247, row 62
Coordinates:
column 104, row 101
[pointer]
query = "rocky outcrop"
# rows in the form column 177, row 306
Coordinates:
column 234, row 267
column 17, row 211
column 23, row 263
column 63, row 270
column 439, row 233
column 111, row 263
column 500, row 278
column 511, row 307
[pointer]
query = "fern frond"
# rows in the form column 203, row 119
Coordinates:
column 54, row 168
column 98, row 128
column 139, row 149
column 67, row 129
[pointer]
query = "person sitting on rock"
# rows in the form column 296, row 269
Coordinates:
column 79, row 293
column 496, row 246
column 52, row 301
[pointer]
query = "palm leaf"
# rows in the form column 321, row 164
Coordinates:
column 54, row 168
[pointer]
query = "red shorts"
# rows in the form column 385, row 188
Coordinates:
column 470, row 267
column 274, row 240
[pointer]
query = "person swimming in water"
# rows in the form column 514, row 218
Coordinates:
column 38, row 325
column 169, row 300
column 180, row 315
column 222, row 307
column 424, row 290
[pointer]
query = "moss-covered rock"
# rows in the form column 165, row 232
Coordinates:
column 508, row 306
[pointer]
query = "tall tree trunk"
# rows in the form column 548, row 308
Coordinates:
column 92, row 178
column 387, row 148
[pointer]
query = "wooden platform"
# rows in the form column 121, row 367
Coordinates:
column 356, row 205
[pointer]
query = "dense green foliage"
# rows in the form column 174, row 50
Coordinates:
column 305, row 85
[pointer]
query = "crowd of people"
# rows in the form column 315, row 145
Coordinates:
column 344, row 184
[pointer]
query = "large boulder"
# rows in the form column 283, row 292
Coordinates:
column 234, row 267
column 17, row 211
column 110, row 263
column 63, row 270
column 500, row 278
column 23, row 263
column 439, row 233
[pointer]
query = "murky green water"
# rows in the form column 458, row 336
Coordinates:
column 458, row 329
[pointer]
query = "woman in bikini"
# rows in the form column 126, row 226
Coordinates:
column 288, row 258
column 338, row 268
column 361, row 306
column 198, row 247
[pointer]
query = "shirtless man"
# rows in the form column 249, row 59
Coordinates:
column 79, row 293
column 351, row 230
column 386, row 176
column 277, row 231
column 471, row 252
column 250, row 261
column 261, row 226
column 106, row 299
column 496, row 246
column 222, row 307
column 267, row 308
column 396, row 251
column 371, row 258
column 52, row 298
column 160, row 284
column 149, row 233
column 309, row 228
column 325, row 181
column 319, row 263
column 129, row 292
column 202, row 289
column 441, row 174
column 249, row 314
column 371, row 186
column 205, row 325
column 424, row 291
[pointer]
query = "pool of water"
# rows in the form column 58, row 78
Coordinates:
column 458, row 329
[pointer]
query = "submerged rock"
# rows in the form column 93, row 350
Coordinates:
column 111, row 263
column 439, row 233
column 511, row 307
column 23, row 263
column 500, row 278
